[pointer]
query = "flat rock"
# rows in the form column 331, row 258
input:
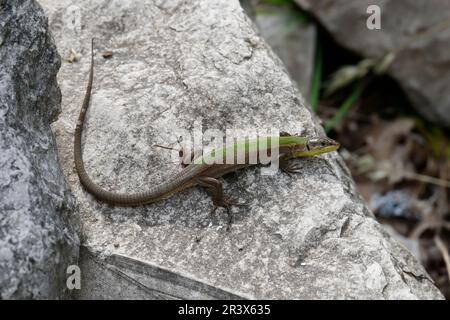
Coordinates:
column 178, row 64
column 38, row 220
column 418, row 29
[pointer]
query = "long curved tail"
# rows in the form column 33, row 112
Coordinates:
column 100, row 193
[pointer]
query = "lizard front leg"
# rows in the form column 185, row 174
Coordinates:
column 288, row 167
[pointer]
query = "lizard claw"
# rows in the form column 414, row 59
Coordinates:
column 290, row 169
column 227, row 203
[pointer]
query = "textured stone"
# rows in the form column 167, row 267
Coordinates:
column 175, row 62
column 291, row 38
column 422, row 67
column 37, row 223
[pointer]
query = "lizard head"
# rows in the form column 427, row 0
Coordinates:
column 299, row 146
column 314, row 146
column 319, row 145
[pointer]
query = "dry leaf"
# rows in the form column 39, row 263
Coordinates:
column 107, row 54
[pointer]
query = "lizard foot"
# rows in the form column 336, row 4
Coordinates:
column 227, row 203
column 291, row 169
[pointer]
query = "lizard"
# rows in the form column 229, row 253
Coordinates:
column 199, row 172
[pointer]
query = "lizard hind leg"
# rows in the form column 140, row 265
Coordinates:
column 218, row 199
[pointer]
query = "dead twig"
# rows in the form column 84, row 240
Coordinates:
column 425, row 225
column 426, row 179
column 444, row 251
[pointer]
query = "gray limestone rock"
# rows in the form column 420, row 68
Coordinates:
column 178, row 64
column 38, row 238
column 292, row 37
column 420, row 28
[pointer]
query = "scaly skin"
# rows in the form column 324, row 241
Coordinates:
column 199, row 172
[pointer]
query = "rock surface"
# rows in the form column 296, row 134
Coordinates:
column 422, row 67
column 38, row 240
column 291, row 37
column 173, row 63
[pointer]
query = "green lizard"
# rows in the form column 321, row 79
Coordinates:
column 200, row 172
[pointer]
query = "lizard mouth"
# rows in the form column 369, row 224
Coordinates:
column 317, row 147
